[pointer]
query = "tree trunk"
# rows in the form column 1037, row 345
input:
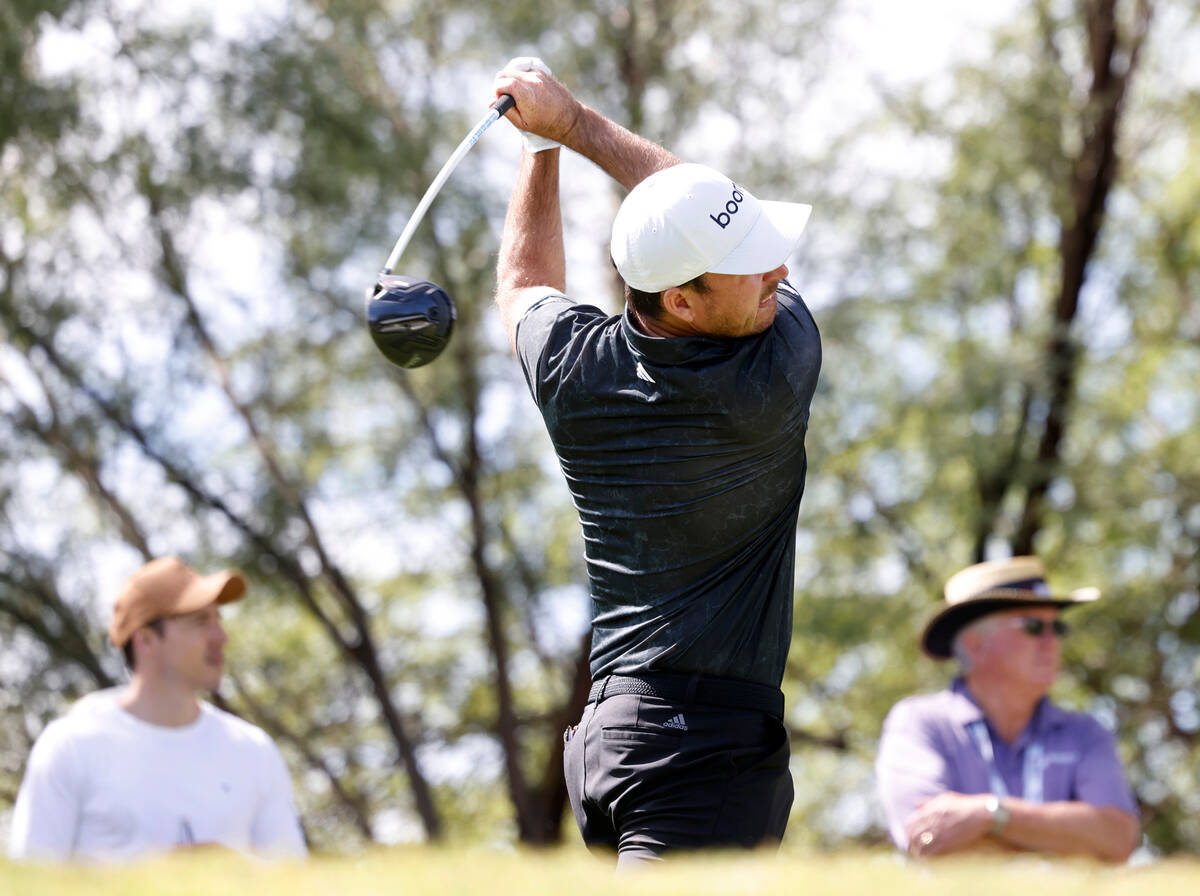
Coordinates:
column 1095, row 169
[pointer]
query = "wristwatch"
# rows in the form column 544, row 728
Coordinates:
column 999, row 813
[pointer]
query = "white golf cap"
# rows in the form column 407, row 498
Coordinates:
column 689, row 220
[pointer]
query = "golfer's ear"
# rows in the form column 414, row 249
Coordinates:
column 675, row 301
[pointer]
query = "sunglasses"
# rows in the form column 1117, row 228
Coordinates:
column 1035, row 628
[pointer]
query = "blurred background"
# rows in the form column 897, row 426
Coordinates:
column 1004, row 260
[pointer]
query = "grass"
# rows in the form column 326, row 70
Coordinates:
column 450, row 872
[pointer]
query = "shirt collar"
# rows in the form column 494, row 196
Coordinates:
column 965, row 711
column 677, row 349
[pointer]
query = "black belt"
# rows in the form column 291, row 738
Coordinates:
column 682, row 688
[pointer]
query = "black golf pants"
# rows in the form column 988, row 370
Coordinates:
column 648, row 775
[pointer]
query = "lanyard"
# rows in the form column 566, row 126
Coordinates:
column 1033, row 772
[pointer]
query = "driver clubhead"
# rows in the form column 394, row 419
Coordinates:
column 409, row 319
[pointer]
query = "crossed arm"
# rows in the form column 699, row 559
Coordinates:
column 532, row 261
column 961, row 821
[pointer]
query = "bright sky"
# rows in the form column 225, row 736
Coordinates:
column 902, row 42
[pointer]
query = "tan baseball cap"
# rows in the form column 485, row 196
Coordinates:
column 169, row 587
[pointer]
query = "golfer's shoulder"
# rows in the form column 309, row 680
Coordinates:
column 556, row 321
column 556, row 306
column 792, row 305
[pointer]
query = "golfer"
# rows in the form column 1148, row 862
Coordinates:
column 990, row 762
column 679, row 425
column 149, row 768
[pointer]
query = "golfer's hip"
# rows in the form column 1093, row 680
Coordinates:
column 688, row 689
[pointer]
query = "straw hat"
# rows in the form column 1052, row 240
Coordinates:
column 987, row 587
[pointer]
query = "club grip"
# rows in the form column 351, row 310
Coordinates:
column 503, row 104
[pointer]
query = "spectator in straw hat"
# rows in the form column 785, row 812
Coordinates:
column 149, row 768
column 991, row 762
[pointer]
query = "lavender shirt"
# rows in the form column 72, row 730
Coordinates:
column 927, row 748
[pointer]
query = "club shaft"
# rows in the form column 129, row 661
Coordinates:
column 498, row 108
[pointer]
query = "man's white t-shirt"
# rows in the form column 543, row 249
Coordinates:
column 101, row 784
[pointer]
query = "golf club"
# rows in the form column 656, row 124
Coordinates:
column 410, row 320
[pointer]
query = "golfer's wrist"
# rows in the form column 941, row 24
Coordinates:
column 577, row 135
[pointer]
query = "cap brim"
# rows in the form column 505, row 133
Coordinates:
column 770, row 242
column 937, row 641
column 219, row 588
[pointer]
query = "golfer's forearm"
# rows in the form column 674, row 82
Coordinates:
column 1071, row 828
column 531, row 249
column 626, row 157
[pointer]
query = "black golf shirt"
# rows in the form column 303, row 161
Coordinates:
column 685, row 459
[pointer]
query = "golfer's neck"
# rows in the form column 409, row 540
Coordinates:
column 662, row 327
column 160, row 702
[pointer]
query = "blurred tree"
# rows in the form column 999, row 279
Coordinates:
column 191, row 210
column 190, row 377
column 1011, row 369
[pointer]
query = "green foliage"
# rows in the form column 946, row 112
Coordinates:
column 190, row 216
column 937, row 393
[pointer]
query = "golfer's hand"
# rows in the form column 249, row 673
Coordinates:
column 947, row 823
column 545, row 111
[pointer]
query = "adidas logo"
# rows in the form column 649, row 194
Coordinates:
column 678, row 722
